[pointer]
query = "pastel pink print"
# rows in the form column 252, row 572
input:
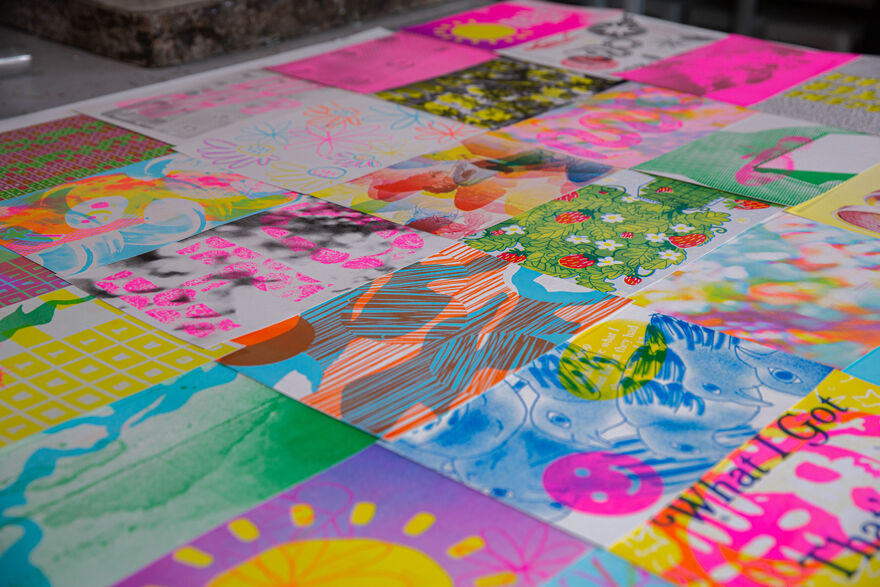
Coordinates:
column 603, row 483
column 381, row 64
column 505, row 24
column 738, row 70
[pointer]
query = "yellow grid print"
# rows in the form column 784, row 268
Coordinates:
column 48, row 379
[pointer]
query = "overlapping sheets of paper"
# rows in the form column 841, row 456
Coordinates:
column 531, row 294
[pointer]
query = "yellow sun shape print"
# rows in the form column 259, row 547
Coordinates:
column 340, row 561
column 336, row 562
column 480, row 32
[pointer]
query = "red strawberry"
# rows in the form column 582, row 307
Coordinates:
column 632, row 280
column 576, row 262
column 568, row 197
column 664, row 190
column 572, row 217
column 750, row 205
column 688, row 240
column 626, row 235
column 497, row 232
column 512, row 257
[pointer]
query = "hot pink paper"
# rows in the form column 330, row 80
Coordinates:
column 738, row 70
column 384, row 63
column 507, row 23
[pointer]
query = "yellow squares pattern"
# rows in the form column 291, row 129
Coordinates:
column 53, row 380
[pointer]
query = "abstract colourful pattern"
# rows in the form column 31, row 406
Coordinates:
column 96, row 498
column 496, row 93
column 21, row 279
column 791, row 283
column 64, row 353
column 508, row 23
column 336, row 136
column 622, row 232
column 796, row 505
column 257, row 271
column 601, row 432
column 195, row 108
column 374, row 519
column 627, row 125
column 387, row 62
column 45, row 155
column 453, row 193
column 771, row 158
column 624, row 42
column 104, row 218
column 413, row 344
column 739, row 70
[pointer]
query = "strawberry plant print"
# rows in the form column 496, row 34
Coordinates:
column 615, row 234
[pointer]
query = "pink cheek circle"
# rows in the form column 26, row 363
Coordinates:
column 603, row 483
column 100, row 205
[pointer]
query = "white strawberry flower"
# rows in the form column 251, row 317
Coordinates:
column 513, row 229
column 612, row 218
column 577, row 239
column 608, row 245
column 656, row 237
column 681, row 227
column 608, row 262
column 669, row 255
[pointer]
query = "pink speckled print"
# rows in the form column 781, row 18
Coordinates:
column 738, row 70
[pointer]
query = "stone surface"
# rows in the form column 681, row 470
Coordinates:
column 157, row 33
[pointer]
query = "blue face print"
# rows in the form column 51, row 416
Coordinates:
column 473, row 429
column 780, row 371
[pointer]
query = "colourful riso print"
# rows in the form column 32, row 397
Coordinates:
column 509, row 23
column 455, row 192
column 603, row 431
column 45, row 155
column 374, row 519
column 771, row 158
column 621, row 232
column 92, row 500
column 796, row 505
column 108, row 217
column 791, row 283
column 627, row 125
column 496, row 93
column 396, row 353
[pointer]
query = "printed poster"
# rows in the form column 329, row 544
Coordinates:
column 387, row 62
column 91, row 222
column 397, row 353
column 792, row 284
column 195, row 108
column 336, row 137
column 853, row 205
column 65, row 353
column 796, row 505
column 460, row 190
column 738, row 70
column 51, row 153
column 505, row 24
column 626, row 41
column 627, row 125
column 257, row 271
column 846, row 97
column 605, row 430
column 496, row 93
column 374, row 519
column 771, row 158
column 109, row 491
column 622, row 232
